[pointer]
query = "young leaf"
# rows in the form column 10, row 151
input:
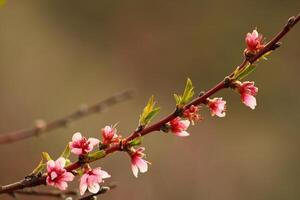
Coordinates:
column 46, row 156
column 66, row 153
column 149, row 112
column 39, row 168
column 187, row 94
column 248, row 70
column 94, row 156
column 135, row 141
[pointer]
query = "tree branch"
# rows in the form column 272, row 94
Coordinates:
column 42, row 127
column 57, row 194
column 157, row 126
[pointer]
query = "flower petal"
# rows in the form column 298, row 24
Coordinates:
column 104, row 174
column 50, row 165
column 182, row 134
column 249, row 101
column 76, row 151
column 94, row 188
column 142, row 165
column 62, row 185
column 77, row 136
column 135, row 170
column 82, row 188
column 60, row 162
column 93, row 141
column 68, row 176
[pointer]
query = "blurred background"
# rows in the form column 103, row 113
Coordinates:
column 56, row 55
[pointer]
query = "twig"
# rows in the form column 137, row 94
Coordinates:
column 42, row 127
column 57, row 194
column 102, row 190
column 157, row 126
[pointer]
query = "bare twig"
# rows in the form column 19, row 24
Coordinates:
column 57, row 194
column 42, row 127
column 34, row 181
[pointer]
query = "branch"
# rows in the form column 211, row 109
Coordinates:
column 42, row 127
column 272, row 45
column 57, row 194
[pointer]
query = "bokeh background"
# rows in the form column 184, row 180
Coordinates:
column 56, row 55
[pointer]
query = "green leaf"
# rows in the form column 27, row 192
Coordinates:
column 46, row 156
column 39, row 168
column 149, row 112
column 248, row 70
column 136, row 141
column 94, row 156
column 187, row 94
column 66, row 153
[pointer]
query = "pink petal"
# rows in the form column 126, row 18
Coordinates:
column 60, row 162
column 134, row 170
column 76, row 151
column 220, row 114
column 185, row 123
column 68, row 176
column 62, row 185
column 93, row 141
column 49, row 181
column 50, row 165
column 53, row 175
column 182, row 134
column 97, row 171
column 76, row 137
column 249, row 101
column 82, row 188
column 142, row 165
column 104, row 174
column 94, row 188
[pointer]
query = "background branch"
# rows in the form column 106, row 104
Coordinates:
column 54, row 193
column 42, row 126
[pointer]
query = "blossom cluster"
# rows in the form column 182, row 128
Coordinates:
column 91, row 178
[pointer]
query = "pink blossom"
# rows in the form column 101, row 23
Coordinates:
column 109, row 134
column 179, row 126
column 192, row 114
column 248, row 92
column 217, row 106
column 57, row 175
column 80, row 145
column 90, row 180
column 137, row 162
column 254, row 41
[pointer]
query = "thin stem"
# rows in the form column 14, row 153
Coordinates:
column 42, row 127
column 157, row 126
column 57, row 194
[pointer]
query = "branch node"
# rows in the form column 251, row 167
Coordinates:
column 40, row 126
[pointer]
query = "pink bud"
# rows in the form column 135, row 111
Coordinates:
column 109, row 134
column 57, row 175
column 248, row 92
column 179, row 127
column 137, row 161
column 90, row 180
column 217, row 106
column 254, row 41
column 80, row 145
